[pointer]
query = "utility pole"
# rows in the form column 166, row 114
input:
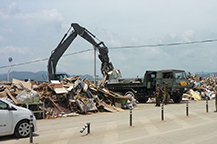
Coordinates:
column 94, row 65
column 10, row 60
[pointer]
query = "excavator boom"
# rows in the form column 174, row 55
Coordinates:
column 107, row 68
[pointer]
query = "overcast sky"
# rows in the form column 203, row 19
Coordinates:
column 30, row 30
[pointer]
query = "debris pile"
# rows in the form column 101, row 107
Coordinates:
column 72, row 96
column 201, row 88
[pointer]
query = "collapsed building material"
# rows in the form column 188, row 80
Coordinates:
column 55, row 105
column 102, row 82
column 25, row 84
column 12, row 97
column 70, row 80
column 201, row 88
column 27, row 96
column 80, row 86
column 103, row 106
column 57, row 87
column 86, row 105
column 3, row 94
column 113, row 94
column 68, row 98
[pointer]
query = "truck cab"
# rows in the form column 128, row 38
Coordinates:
column 176, row 79
column 177, row 82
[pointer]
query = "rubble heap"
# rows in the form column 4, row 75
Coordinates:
column 72, row 96
column 201, row 88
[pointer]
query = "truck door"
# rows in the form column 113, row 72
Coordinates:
column 6, row 118
column 150, row 79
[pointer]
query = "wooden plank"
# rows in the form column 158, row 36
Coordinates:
column 102, row 82
column 10, row 95
column 55, row 105
column 3, row 94
column 25, row 84
column 110, row 108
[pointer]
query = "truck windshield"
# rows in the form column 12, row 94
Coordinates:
column 180, row 75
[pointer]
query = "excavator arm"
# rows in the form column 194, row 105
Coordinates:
column 57, row 53
column 106, row 66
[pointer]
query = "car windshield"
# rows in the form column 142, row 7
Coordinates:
column 180, row 75
column 3, row 105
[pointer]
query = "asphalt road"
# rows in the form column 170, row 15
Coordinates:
column 113, row 128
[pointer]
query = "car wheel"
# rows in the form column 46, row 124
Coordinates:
column 143, row 99
column 22, row 129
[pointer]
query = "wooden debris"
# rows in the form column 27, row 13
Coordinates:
column 71, row 96
column 3, row 94
column 86, row 105
column 25, row 84
column 55, row 104
column 9, row 94
column 109, row 107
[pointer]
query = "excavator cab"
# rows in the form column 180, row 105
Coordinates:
column 61, row 76
column 58, row 77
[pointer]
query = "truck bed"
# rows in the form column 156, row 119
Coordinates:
column 125, row 84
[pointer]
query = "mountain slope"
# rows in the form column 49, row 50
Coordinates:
column 38, row 76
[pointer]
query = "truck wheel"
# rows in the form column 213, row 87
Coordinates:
column 22, row 129
column 130, row 94
column 177, row 99
column 143, row 99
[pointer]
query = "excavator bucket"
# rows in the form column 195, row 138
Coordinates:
column 113, row 74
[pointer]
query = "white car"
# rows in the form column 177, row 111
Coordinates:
column 15, row 120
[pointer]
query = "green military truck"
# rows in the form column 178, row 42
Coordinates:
column 144, row 88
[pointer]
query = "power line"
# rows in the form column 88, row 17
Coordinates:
column 121, row 47
column 77, row 52
column 24, row 63
column 45, row 59
column 170, row 44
